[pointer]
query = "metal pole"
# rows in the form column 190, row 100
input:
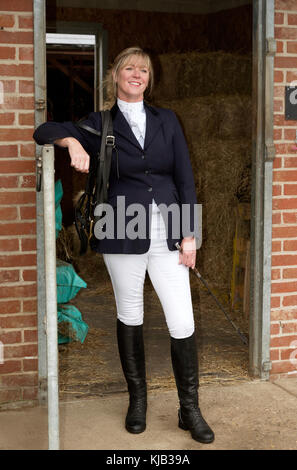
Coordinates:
column 51, row 296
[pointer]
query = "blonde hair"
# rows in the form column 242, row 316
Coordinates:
column 121, row 61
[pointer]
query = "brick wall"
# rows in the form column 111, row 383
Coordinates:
column 18, row 319
column 284, row 231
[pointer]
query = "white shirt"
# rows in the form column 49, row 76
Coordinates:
column 136, row 117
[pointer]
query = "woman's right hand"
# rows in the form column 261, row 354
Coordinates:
column 80, row 160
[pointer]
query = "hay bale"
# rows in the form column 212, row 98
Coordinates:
column 195, row 74
column 218, row 167
column 221, row 116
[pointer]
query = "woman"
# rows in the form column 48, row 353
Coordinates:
column 152, row 168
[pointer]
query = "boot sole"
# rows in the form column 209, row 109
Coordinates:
column 135, row 431
column 182, row 426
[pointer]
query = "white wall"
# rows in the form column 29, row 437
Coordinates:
column 177, row 6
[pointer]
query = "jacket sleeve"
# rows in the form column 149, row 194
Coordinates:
column 184, row 179
column 50, row 131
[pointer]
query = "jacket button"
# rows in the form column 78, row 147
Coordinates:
column 147, row 172
column 150, row 189
column 143, row 157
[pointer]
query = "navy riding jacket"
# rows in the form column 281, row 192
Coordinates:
column 161, row 171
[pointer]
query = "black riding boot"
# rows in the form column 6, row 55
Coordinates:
column 185, row 367
column 131, row 349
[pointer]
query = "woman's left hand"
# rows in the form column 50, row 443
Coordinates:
column 188, row 254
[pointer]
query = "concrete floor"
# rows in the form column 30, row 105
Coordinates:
column 246, row 415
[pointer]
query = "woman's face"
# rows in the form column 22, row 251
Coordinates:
column 132, row 80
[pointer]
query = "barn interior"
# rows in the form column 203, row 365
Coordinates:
column 202, row 52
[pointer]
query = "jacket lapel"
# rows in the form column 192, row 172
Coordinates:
column 153, row 124
column 121, row 126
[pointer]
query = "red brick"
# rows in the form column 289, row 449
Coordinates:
column 290, row 162
column 284, row 203
column 278, row 18
column 26, row 86
column 292, row 19
column 9, row 245
column 285, row 149
column 276, row 246
column 18, row 228
column 280, row 341
column 275, row 274
column 290, row 273
column 8, row 213
column 284, row 232
column 29, row 393
column 285, row 33
column 10, row 366
column 289, row 134
column 277, row 162
column 17, row 166
column 8, row 151
column 18, row 102
column 274, row 355
column 280, row 287
column 284, row 176
column 29, row 306
column 30, row 365
column 7, row 119
column 9, row 275
column 18, row 260
column 290, row 189
column 16, row 37
column 27, row 150
column 12, row 352
column 282, row 367
column 7, row 52
column 291, row 76
column 21, row 197
column 290, row 353
column 277, row 133
column 6, row 21
column 8, row 181
column 16, row 5
column 30, row 275
column 284, row 260
column 276, row 218
column 19, row 291
column 292, row 47
column 285, row 5
column 289, row 327
column 11, row 337
column 28, row 244
column 16, row 134
column 28, row 212
column 25, row 22
column 274, row 329
column 275, row 302
column 30, row 336
column 20, row 380
column 290, row 245
column 290, row 300
column 284, row 314
column 28, row 181
column 26, row 53
column 278, row 106
column 278, row 76
column 10, row 395
column 279, row 120
column 8, row 307
column 19, row 321
column 26, row 119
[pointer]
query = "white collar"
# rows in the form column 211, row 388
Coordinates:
column 138, row 106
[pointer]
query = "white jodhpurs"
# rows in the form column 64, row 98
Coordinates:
column 169, row 278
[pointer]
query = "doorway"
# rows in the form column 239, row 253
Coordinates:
column 206, row 78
